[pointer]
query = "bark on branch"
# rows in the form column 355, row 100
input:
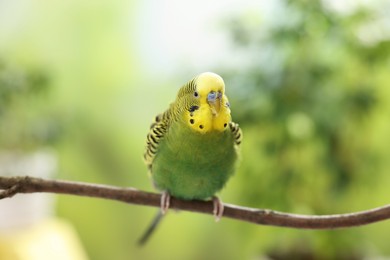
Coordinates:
column 10, row 186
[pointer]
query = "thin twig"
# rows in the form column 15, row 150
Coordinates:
column 14, row 185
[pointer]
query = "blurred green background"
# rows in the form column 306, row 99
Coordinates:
column 308, row 82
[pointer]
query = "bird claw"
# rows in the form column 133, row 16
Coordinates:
column 165, row 201
column 218, row 208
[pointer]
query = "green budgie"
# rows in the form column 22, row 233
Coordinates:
column 192, row 148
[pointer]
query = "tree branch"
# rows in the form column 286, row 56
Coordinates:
column 13, row 185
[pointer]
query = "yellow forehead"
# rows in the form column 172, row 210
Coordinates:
column 209, row 81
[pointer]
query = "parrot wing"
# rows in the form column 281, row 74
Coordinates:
column 157, row 131
column 237, row 133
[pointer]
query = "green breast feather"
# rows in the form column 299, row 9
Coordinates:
column 191, row 165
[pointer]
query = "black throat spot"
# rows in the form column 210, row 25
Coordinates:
column 193, row 108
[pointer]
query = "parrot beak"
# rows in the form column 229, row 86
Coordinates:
column 214, row 100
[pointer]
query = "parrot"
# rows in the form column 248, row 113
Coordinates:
column 192, row 149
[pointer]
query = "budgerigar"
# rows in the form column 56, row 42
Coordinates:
column 192, row 148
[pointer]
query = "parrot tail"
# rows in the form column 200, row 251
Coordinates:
column 145, row 237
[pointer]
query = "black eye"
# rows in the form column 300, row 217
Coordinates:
column 196, row 94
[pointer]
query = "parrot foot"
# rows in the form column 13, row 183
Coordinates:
column 165, row 201
column 218, row 208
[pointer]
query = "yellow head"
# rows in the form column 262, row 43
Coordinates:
column 206, row 105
